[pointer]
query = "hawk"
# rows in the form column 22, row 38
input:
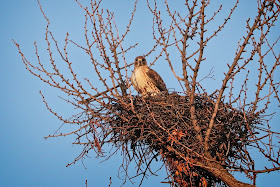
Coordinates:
column 145, row 80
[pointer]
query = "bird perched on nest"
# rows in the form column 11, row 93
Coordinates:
column 145, row 80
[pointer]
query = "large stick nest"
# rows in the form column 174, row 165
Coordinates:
column 164, row 124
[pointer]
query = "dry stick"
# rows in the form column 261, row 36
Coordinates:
column 165, row 41
column 103, row 49
column 215, row 32
column 96, row 37
column 184, row 60
column 227, row 77
column 260, row 86
column 54, row 67
column 97, row 95
column 192, row 94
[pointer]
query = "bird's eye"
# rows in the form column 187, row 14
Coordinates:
column 143, row 59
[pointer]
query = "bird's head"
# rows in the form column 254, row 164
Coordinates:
column 140, row 61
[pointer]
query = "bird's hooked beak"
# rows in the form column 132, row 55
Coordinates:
column 140, row 62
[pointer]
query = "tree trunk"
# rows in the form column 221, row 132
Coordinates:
column 219, row 172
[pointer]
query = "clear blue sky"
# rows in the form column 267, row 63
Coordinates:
column 27, row 159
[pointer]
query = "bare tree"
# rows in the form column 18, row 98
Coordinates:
column 202, row 138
